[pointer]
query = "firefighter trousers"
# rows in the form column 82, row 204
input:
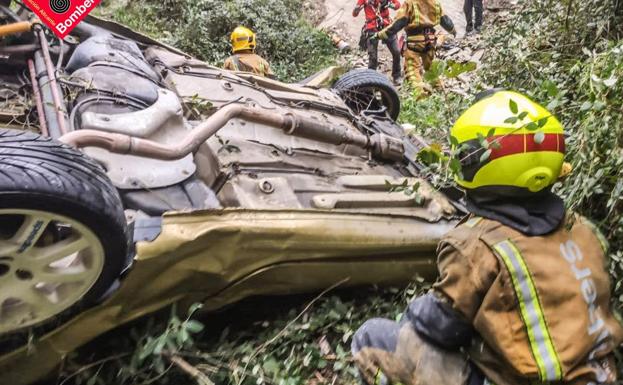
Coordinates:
column 418, row 59
column 388, row 352
column 394, row 49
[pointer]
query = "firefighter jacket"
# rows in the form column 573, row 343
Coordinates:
column 536, row 308
column 377, row 13
column 249, row 62
column 417, row 16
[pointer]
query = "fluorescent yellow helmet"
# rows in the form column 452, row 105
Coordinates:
column 242, row 39
column 521, row 157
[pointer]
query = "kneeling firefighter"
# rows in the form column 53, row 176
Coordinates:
column 419, row 18
column 244, row 58
column 523, row 295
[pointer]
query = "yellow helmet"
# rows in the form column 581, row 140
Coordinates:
column 242, row 39
column 508, row 144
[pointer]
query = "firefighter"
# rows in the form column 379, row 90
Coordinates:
column 377, row 18
column 418, row 18
column 244, row 57
column 523, row 294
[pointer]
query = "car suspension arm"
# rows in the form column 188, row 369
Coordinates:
column 381, row 145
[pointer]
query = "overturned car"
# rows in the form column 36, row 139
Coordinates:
column 134, row 176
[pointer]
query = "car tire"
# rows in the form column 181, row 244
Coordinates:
column 63, row 233
column 359, row 87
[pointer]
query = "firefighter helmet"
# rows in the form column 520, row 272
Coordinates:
column 524, row 149
column 242, row 39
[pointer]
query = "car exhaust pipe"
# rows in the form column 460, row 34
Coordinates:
column 382, row 145
column 54, row 106
column 37, row 96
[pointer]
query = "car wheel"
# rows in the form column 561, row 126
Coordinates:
column 63, row 234
column 365, row 90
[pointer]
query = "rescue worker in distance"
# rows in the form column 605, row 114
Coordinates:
column 377, row 18
column 244, row 58
column 419, row 18
column 523, row 295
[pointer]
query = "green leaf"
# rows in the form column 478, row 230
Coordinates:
column 542, row 122
column 271, row 366
column 455, row 69
column 148, row 349
column 512, row 105
column 610, row 82
column 160, row 342
column 435, row 71
column 553, row 104
column 523, row 115
column 454, row 141
column 181, row 338
column 455, row 166
column 599, row 105
column 539, row 137
column 532, row 126
column 552, row 89
column 194, row 308
column 485, row 156
column 194, row 326
column 511, row 120
column 586, row 106
column 491, row 133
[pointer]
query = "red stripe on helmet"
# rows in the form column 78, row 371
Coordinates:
column 522, row 143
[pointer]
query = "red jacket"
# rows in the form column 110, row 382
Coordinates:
column 373, row 11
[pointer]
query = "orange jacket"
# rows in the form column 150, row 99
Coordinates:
column 540, row 305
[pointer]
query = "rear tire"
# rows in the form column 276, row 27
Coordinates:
column 366, row 89
column 63, row 233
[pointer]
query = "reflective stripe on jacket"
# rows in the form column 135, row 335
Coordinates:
column 420, row 14
column 540, row 306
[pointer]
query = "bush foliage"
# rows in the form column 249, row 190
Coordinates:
column 294, row 48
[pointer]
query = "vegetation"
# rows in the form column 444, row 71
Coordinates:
column 286, row 341
column 294, row 48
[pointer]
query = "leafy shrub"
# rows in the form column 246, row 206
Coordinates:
column 294, row 48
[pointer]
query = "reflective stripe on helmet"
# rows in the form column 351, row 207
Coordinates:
column 531, row 312
column 520, row 143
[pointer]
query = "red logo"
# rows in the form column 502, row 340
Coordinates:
column 62, row 15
